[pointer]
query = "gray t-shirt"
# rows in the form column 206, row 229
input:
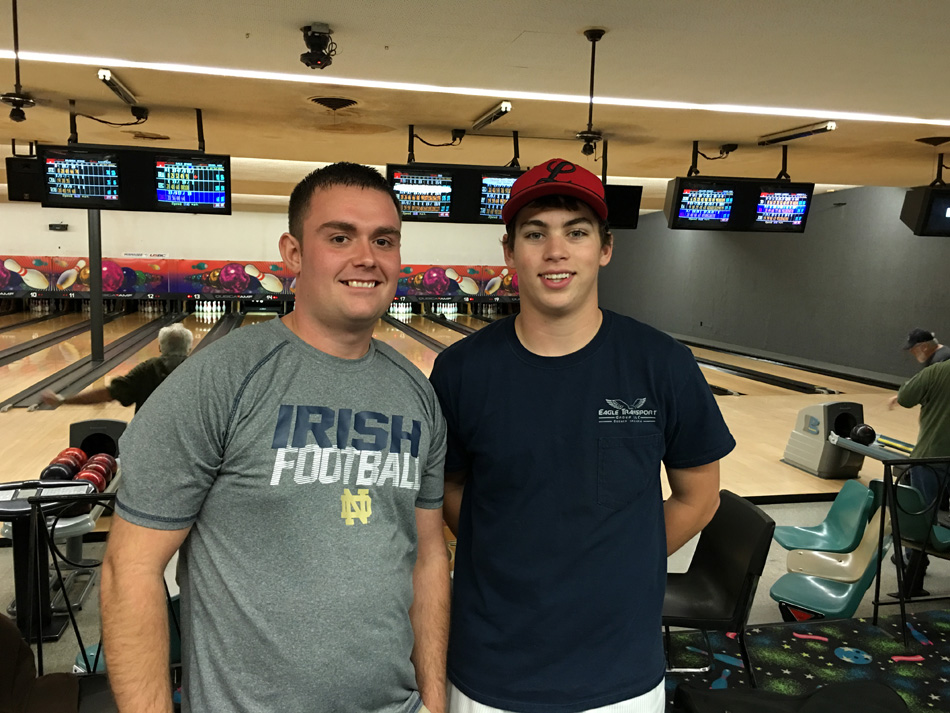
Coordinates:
column 299, row 473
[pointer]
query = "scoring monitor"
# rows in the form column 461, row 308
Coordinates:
column 81, row 179
column 425, row 194
column 193, row 184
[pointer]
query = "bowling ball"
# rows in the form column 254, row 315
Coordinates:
column 128, row 279
column 92, row 477
column 84, row 275
column 70, row 460
column 67, row 456
column 106, row 458
column 233, row 278
column 110, row 471
column 57, row 471
column 78, row 452
column 435, row 282
column 863, row 434
column 112, row 276
column 100, row 468
column 5, row 276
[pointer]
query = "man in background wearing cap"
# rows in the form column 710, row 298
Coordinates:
column 930, row 388
column 558, row 420
column 926, row 350
column 925, row 347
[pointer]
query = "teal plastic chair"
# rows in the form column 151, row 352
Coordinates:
column 915, row 517
column 841, row 530
column 825, row 597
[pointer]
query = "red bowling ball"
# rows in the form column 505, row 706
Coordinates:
column 99, row 468
column 106, row 459
column 93, row 477
column 78, row 452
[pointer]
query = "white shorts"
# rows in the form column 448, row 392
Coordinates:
column 650, row 702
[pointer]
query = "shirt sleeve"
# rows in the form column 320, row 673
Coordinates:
column 443, row 381
column 433, row 472
column 173, row 448
column 913, row 391
column 122, row 388
column 696, row 433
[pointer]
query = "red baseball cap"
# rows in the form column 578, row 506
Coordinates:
column 557, row 177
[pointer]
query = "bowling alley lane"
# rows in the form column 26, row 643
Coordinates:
column 19, row 335
column 845, row 386
column 257, row 318
column 416, row 352
column 8, row 320
column 25, row 372
column 741, row 384
column 446, row 335
column 468, row 320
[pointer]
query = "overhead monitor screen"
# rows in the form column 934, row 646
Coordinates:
column 781, row 209
column 705, row 205
column 938, row 222
column 424, row 194
column 623, row 205
column 198, row 184
column 494, row 194
column 81, row 179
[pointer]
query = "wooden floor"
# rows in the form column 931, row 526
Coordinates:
column 760, row 422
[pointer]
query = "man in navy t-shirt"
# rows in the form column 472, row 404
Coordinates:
column 558, row 420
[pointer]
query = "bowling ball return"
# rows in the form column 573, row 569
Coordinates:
column 809, row 447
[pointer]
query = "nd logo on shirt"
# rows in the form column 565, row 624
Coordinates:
column 318, row 445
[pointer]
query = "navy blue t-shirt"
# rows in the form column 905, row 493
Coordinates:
column 561, row 561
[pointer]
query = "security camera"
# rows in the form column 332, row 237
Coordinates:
column 18, row 102
column 493, row 114
column 590, row 139
column 322, row 47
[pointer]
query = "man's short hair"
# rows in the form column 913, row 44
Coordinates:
column 175, row 340
column 557, row 202
column 336, row 174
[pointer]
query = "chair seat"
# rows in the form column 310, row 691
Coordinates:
column 842, row 566
column 696, row 601
column 841, row 530
column 834, row 600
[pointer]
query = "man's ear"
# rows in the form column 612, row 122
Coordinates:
column 507, row 246
column 291, row 252
column 607, row 251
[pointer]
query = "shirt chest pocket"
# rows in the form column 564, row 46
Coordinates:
column 625, row 466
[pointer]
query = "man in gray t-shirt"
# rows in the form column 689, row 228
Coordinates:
column 298, row 467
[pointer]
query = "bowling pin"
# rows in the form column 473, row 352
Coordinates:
column 494, row 283
column 32, row 278
column 466, row 284
column 268, row 281
column 68, row 277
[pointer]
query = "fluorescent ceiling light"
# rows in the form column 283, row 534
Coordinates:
column 799, row 132
column 475, row 91
column 118, row 88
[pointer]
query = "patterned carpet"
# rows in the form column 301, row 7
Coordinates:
column 797, row 658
